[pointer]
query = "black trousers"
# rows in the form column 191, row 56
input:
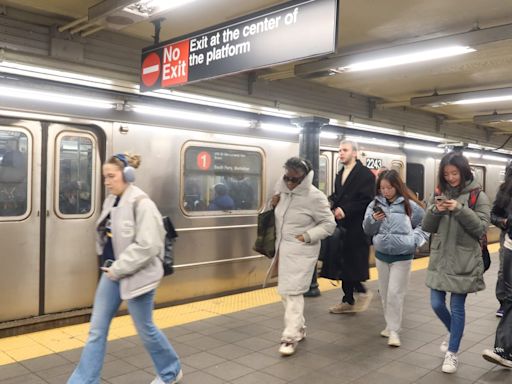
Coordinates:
column 504, row 295
column 349, row 287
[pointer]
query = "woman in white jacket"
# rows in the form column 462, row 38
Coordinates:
column 130, row 240
column 303, row 218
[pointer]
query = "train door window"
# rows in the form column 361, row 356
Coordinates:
column 479, row 174
column 15, row 149
column 221, row 178
column 75, row 178
column 323, row 174
column 415, row 178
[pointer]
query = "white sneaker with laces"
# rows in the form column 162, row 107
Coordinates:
column 394, row 340
column 287, row 348
column 450, row 363
column 384, row 333
column 178, row 378
column 444, row 344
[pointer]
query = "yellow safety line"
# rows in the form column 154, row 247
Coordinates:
column 43, row 343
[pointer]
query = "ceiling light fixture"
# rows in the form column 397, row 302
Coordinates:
column 493, row 118
column 289, row 129
column 193, row 116
column 464, row 98
column 423, row 148
column 472, row 155
column 406, row 58
column 495, row 158
column 372, row 141
column 50, row 97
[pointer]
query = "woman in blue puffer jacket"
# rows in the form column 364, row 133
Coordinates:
column 393, row 220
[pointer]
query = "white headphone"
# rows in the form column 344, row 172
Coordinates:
column 128, row 170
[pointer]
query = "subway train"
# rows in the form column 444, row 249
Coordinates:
column 211, row 182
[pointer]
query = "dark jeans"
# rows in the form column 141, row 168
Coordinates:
column 500, row 287
column 504, row 295
column 349, row 287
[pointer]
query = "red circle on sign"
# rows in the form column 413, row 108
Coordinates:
column 150, row 69
column 204, row 160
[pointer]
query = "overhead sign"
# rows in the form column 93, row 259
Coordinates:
column 291, row 31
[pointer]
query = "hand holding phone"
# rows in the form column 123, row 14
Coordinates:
column 377, row 209
column 378, row 213
column 440, row 198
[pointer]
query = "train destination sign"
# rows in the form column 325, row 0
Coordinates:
column 222, row 161
column 291, row 31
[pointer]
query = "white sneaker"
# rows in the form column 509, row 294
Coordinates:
column 394, row 340
column 178, row 378
column 450, row 363
column 287, row 348
column 384, row 333
column 363, row 301
column 444, row 344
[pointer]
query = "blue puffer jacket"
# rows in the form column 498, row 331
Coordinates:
column 397, row 234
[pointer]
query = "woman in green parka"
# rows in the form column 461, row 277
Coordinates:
column 455, row 264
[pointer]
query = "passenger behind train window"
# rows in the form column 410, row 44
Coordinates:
column 224, row 180
column 455, row 264
column 13, row 176
column 222, row 201
column 72, row 200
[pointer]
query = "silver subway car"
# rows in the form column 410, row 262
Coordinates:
column 212, row 184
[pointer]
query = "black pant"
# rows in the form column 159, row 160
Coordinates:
column 349, row 287
column 504, row 295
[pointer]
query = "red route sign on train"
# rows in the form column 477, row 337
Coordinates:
column 150, row 69
column 204, row 160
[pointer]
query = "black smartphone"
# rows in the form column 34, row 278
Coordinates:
column 377, row 209
column 440, row 198
column 108, row 263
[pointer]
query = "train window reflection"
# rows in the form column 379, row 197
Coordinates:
column 479, row 174
column 13, row 173
column 75, row 175
column 221, row 179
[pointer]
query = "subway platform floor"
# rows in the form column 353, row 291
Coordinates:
column 235, row 339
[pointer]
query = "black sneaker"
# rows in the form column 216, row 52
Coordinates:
column 313, row 292
column 498, row 356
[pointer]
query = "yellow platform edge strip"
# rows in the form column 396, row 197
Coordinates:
column 43, row 343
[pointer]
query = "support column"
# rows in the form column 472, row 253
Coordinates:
column 309, row 148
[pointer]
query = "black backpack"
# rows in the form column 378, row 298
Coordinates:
column 169, row 240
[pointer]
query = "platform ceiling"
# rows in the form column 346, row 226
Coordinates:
column 364, row 26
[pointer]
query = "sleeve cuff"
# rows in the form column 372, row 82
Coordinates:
column 307, row 238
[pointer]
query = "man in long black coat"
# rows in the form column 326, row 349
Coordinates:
column 354, row 189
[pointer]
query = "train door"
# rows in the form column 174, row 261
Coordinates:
column 19, row 219
column 73, row 203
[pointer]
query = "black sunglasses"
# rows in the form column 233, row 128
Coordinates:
column 293, row 180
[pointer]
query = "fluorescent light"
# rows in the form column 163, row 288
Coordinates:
column 328, row 135
column 34, row 116
column 372, row 141
column 407, row 58
column 495, row 158
column 472, row 155
column 290, row 129
column 51, row 74
column 423, row 148
column 464, row 98
column 194, row 116
column 57, row 98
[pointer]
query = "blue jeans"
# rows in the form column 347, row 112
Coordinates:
column 106, row 304
column 454, row 321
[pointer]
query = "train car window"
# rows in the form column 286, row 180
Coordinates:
column 415, row 179
column 218, row 178
column 323, row 170
column 14, row 172
column 75, row 175
column 479, row 174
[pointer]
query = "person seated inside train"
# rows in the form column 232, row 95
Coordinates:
column 241, row 191
column 13, row 180
column 71, row 201
column 192, row 197
column 222, row 201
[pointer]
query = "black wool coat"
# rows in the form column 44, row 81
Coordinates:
column 353, row 198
